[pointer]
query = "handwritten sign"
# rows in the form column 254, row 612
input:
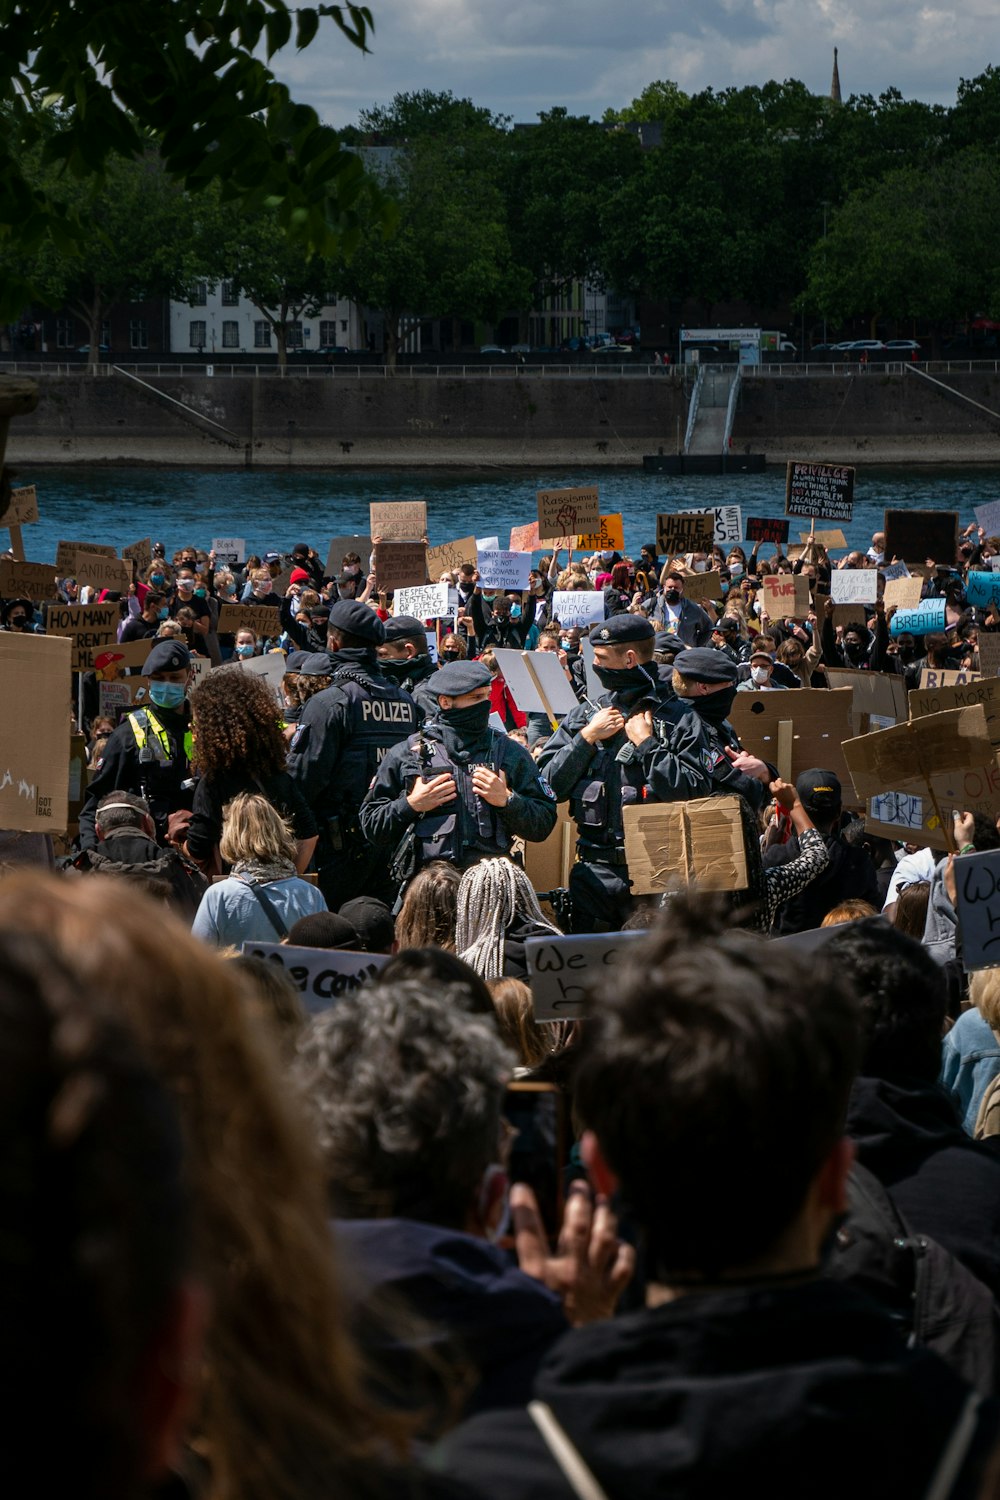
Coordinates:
column 504, row 570
column 983, row 589
column 92, row 627
column 398, row 520
column 229, row 550
column 66, row 554
column 914, row 535
column 989, row 653
column 400, row 565
column 936, row 699
column 977, row 891
column 578, row 607
column 833, row 541
column 101, row 572
column 854, row 585
column 450, row 556
column 567, row 512
column 562, row 971
column 903, row 593
column 728, row 523
column 898, row 809
column 939, row 677
column 321, row 975
column 767, row 529
column 23, row 507
column 988, row 517
column 608, row 535
column 823, row 491
column 429, row 602
column 27, row 580
column 687, row 531
column 930, row 615
column 669, row 844
column 233, row 617
column 956, row 740
column 786, row 595
column 525, row 538
column 34, row 745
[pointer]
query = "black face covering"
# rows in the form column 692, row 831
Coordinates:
column 672, row 596
column 450, row 655
column 469, row 722
column 854, row 652
column 400, row 669
column 624, row 682
column 715, row 708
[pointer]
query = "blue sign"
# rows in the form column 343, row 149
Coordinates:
column 928, row 615
column 983, row 589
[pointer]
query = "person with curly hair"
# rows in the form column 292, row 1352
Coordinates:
column 240, row 747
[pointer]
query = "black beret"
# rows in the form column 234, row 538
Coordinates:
column 458, row 677
column 403, row 628
column 622, row 630
column 351, row 617
column 705, row 664
column 294, row 660
column 314, row 664
column 668, row 640
column 167, row 656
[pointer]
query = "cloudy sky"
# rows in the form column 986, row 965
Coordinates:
column 521, row 56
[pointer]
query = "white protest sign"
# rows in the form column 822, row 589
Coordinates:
column 487, row 543
column 897, row 808
column 854, row 585
column 728, row 522
column 563, row 970
column 504, row 570
column 431, row 601
column 321, row 975
column 271, row 667
column 550, row 675
column 594, row 685
column 988, row 517
column 537, row 682
column 229, row 550
column 894, row 571
column 578, row 607
column 977, row 887
column 497, row 723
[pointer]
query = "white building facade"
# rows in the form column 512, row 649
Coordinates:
column 221, row 322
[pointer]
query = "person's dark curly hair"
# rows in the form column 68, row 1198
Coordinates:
column 236, row 724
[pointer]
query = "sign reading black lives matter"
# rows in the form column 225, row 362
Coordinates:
column 819, row 491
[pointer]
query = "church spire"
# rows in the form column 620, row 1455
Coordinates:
column 835, row 81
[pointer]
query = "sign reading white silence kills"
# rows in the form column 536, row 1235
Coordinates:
column 578, row 607
column 321, row 975
column 563, row 970
column 977, row 888
column 820, row 491
column 504, row 570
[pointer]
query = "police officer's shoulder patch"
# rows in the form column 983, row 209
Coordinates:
column 547, row 789
column 98, row 763
column 300, row 733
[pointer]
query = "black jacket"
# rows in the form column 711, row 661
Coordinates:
column 850, row 875
column 798, row 1390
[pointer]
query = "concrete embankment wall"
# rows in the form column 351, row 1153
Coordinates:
column 510, row 420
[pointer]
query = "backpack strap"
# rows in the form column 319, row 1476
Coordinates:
column 273, row 915
column 577, row 1474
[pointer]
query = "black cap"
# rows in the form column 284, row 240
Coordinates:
column 323, row 929
column 819, row 791
column 458, row 677
column 354, row 618
column 403, row 628
column 705, row 664
column 314, row 664
column 622, row 630
column 301, row 549
column 759, row 651
column 12, row 604
column 270, row 557
column 727, row 626
column 167, row 656
column 372, row 921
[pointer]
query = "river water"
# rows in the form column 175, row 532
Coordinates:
column 276, row 509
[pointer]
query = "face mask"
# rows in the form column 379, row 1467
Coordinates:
column 471, row 721
column 854, row 650
column 606, row 556
column 623, row 681
column 536, row 587
column 399, row 669
column 716, row 706
column 244, row 651
column 354, row 570
column 736, row 569
column 701, row 567
column 157, row 578
column 566, row 645
column 163, row 614
column 515, row 611
column 262, row 589
column 672, row 596
column 450, row 655
column 200, row 593
column 760, row 674
column 18, row 622
column 489, row 598
column 185, row 585
column 167, row 694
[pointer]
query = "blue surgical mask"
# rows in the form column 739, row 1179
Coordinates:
column 244, row 651
column 515, row 611
column 163, row 614
column 200, row 593
column 167, row 694
column 157, row 578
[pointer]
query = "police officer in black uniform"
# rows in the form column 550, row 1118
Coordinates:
column 404, row 659
column 465, row 789
column 150, row 751
column 704, row 680
column 621, row 750
column 342, row 736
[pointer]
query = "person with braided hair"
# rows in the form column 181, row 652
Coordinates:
column 497, row 909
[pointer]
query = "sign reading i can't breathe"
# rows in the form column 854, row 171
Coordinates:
column 821, row 491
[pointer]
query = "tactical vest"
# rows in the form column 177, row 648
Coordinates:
column 377, row 716
column 161, row 768
column 597, row 799
column 467, row 828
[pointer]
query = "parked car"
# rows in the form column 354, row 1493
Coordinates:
column 491, row 349
column 857, row 346
column 617, row 350
column 903, row 345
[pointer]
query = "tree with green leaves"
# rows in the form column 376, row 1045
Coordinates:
column 657, row 104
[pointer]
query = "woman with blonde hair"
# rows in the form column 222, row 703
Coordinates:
column 281, row 1415
column 497, row 909
column 263, row 896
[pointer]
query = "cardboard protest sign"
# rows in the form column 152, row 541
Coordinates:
column 34, row 744
column 22, row 509
column 92, row 627
column 321, row 975
column 915, row 535
column 578, row 607
column 928, row 616
column 449, row 556
column 102, row 572
column 537, row 681
column 27, row 580
column 903, row 593
column 398, row 520
column 117, row 697
column 939, row 677
column 123, row 656
column 728, row 523
column 139, row 554
column 400, row 565
column 429, row 602
column 977, row 892
column 338, row 549
column 833, row 541
column 822, row 491
column 548, row 864
column 989, row 653
column 488, row 544
column 880, row 695
column 66, row 555
column 700, row 586
column 786, row 595
column 608, row 534
column 270, row 666
column 671, row 844
column 983, row 589
column 797, row 729
column 228, row 550
column 688, row 531
column 504, row 570
column 854, row 585
column 851, row 614
column 936, row 700
column 525, row 538
column 767, row 529
column 261, row 619
column 910, row 814
column 567, row 512
column 988, row 517
column 563, row 970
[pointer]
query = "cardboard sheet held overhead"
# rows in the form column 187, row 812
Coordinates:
column 567, row 512
column 400, row 565
column 882, row 694
column 27, row 580
column 687, row 531
column 66, row 555
column 609, row 533
column 673, row 844
column 358, row 542
column 817, row 721
column 786, row 596
column 903, row 757
column 23, row 507
column 449, row 556
column 35, row 738
column 903, row 593
column 924, row 701
column 398, row 520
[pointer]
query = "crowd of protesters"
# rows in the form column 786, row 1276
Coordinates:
column 737, row 1223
